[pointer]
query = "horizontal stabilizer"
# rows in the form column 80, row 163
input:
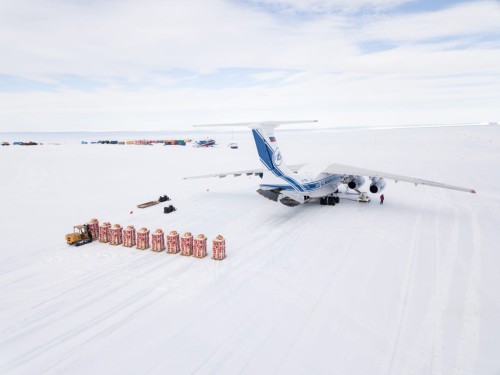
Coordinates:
column 247, row 172
column 260, row 123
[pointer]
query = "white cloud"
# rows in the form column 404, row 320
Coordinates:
column 315, row 6
column 130, row 40
column 467, row 19
column 321, row 69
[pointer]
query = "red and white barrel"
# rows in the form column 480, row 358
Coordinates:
column 104, row 232
column 200, row 246
column 173, row 246
column 115, row 235
column 129, row 236
column 142, row 239
column 158, row 240
column 187, row 244
column 94, row 228
column 219, row 248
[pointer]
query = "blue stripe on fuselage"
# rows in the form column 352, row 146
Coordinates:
column 310, row 186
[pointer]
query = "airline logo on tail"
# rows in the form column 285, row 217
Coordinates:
column 277, row 157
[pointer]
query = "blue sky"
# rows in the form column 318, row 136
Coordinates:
column 130, row 65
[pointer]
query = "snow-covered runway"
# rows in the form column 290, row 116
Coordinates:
column 409, row 287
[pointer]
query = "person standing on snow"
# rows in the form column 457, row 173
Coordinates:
column 381, row 198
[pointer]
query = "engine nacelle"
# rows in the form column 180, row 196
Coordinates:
column 269, row 194
column 355, row 182
column 291, row 198
column 377, row 185
column 287, row 201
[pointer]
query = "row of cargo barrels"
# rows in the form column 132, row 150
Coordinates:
column 129, row 237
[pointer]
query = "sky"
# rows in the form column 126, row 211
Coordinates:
column 73, row 65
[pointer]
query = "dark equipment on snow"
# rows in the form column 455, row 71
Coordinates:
column 169, row 209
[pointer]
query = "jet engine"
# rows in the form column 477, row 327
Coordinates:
column 355, row 182
column 377, row 185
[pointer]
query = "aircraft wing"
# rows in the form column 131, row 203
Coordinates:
column 247, row 172
column 355, row 171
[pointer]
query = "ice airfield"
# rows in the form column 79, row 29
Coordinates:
column 410, row 287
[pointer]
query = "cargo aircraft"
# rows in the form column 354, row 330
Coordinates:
column 293, row 185
column 204, row 143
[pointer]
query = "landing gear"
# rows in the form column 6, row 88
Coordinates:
column 329, row 201
column 356, row 195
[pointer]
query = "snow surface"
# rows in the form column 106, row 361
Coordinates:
column 410, row 287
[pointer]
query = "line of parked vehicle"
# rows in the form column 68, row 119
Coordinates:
column 181, row 142
column 20, row 143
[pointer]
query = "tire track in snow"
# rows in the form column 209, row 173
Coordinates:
column 300, row 295
column 426, row 352
column 405, row 295
column 249, row 314
column 468, row 343
column 54, row 311
column 444, row 269
column 105, row 331
column 314, row 308
column 64, row 338
column 340, row 261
